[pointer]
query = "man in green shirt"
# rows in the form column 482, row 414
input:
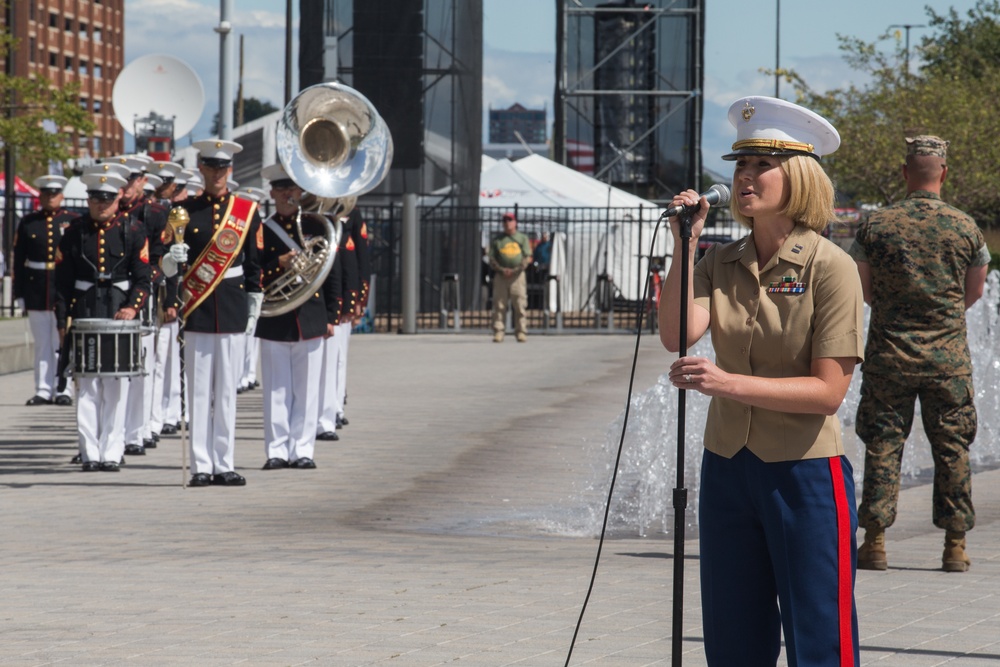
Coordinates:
column 510, row 255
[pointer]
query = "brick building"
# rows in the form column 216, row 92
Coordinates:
column 80, row 41
column 529, row 123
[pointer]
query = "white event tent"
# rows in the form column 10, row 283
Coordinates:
column 597, row 229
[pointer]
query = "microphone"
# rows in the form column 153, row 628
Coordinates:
column 717, row 195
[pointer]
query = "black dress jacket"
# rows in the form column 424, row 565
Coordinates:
column 35, row 245
column 226, row 308
column 323, row 307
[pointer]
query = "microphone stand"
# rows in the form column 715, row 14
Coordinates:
column 680, row 499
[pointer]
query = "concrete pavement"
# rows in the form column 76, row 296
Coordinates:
column 442, row 528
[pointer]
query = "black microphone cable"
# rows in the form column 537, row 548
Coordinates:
column 621, row 445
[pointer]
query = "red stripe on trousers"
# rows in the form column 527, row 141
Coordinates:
column 844, row 593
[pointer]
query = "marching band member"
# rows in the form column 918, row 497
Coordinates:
column 195, row 185
column 333, row 392
column 180, row 191
column 167, row 173
column 291, row 347
column 222, row 298
column 102, row 271
column 152, row 184
column 153, row 218
column 35, row 243
column 166, row 408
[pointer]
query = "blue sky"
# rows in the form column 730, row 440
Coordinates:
column 519, row 48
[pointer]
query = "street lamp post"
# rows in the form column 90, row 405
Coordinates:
column 777, row 46
column 906, row 49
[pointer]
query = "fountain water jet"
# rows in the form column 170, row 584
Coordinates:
column 642, row 502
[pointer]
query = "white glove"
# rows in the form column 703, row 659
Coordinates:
column 19, row 305
column 256, row 300
column 177, row 255
column 179, row 252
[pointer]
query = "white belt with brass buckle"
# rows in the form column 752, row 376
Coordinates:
column 39, row 266
column 84, row 285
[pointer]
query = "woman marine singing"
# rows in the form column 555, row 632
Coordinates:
column 784, row 306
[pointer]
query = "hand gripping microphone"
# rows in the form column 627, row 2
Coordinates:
column 717, row 195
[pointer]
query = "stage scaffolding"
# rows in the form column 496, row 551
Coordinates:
column 628, row 91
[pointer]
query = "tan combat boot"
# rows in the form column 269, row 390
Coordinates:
column 954, row 558
column 871, row 554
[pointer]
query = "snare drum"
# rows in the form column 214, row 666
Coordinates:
column 106, row 348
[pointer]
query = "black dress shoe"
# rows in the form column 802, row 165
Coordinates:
column 274, row 464
column 304, row 462
column 109, row 466
column 156, row 437
column 76, row 459
column 168, row 429
column 255, row 384
column 200, row 479
column 38, row 400
column 135, row 450
column 328, row 435
column 342, row 421
column 62, row 399
column 240, row 390
column 91, row 466
column 229, row 479
column 149, row 443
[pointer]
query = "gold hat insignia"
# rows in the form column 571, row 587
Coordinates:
column 218, row 144
column 748, row 112
column 104, row 179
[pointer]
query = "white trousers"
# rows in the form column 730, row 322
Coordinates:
column 100, row 418
column 250, row 361
column 166, row 379
column 212, row 368
column 140, row 397
column 329, row 408
column 290, row 375
column 343, row 337
column 43, row 330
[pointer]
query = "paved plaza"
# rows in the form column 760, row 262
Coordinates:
column 447, row 526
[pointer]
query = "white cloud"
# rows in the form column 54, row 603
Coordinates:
column 509, row 77
column 185, row 29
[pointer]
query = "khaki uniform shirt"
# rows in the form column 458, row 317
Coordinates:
column 772, row 321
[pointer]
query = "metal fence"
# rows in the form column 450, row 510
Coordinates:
column 596, row 276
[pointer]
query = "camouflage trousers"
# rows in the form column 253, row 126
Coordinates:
column 885, row 416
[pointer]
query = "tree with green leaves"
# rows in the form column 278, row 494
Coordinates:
column 952, row 94
column 35, row 101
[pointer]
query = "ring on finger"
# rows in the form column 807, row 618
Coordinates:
column 687, row 377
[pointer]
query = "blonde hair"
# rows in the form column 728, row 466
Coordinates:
column 810, row 194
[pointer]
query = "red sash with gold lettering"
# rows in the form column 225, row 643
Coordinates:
column 213, row 262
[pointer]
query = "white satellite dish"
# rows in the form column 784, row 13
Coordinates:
column 162, row 85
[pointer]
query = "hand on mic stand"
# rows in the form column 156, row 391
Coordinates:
column 688, row 205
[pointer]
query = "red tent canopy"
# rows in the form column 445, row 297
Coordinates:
column 21, row 186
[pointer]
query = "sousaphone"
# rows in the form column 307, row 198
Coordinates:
column 333, row 143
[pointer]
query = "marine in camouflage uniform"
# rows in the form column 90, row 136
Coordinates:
column 922, row 263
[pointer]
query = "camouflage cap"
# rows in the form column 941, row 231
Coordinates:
column 927, row 144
